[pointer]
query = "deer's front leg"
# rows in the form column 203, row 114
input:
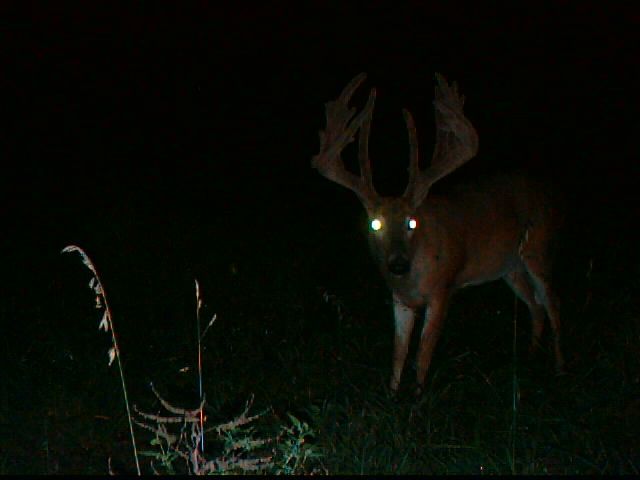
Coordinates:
column 433, row 319
column 404, row 317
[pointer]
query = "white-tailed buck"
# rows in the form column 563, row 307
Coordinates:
column 428, row 245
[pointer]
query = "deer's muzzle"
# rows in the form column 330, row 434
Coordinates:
column 398, row 264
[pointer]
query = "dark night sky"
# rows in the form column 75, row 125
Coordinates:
column 166, row 115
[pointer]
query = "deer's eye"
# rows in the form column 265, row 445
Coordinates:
column 376, row 224
column 412, row 223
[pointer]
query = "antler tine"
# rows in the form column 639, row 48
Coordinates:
column 414, row 168
column 340, row 130
column 456, row 139
column 363, row 151
column 352, row 86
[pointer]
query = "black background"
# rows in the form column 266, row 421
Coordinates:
column 218, row 107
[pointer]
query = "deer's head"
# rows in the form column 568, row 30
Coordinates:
column 395, row 222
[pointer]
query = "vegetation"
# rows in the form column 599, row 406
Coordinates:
column 315, row 359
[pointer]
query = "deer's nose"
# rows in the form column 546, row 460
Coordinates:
column 398, row 264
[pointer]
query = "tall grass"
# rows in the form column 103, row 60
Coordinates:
column 106, row 324
column 179, row 436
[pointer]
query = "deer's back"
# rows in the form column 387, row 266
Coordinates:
column 472, row 232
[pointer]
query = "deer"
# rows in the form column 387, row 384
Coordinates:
column 427, row 246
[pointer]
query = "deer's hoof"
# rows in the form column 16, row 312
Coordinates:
column 418, row 391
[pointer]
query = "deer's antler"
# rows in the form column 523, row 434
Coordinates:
column 340, row 130
column 456, row 141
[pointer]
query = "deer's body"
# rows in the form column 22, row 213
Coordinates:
column 428, row 245
column 471, row 235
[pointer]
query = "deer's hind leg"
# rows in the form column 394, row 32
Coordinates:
column 535, row 256
column 522, row 287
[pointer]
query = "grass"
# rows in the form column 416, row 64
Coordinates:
column 106, row 324
column 312, row 337
column 179, row 434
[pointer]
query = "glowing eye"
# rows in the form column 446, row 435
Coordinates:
column 412, row 224
column 376, row 224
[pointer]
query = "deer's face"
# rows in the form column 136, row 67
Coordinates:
column 392, row 225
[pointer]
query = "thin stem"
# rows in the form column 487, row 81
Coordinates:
column 198, row 306
column 514, row 405
column 98, row 288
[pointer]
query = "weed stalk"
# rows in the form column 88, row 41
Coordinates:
column 107, row 324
